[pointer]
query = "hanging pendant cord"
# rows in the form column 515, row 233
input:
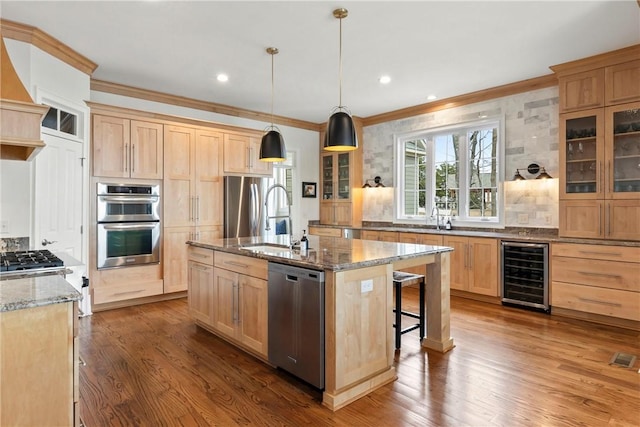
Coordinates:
column 272, row 89
column 340, row 104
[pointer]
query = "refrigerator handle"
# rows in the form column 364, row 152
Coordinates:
column 253, row 220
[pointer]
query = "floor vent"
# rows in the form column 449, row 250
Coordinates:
column 623, row 360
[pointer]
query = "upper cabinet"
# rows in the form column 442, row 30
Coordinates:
column 124, row 148
column 242, row 155
column 599, row 149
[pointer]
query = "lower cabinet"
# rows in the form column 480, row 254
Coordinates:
column 119, row 284
column 240, row 299
column 175, row 254
column 39, row 366
column 474, row 264
column 200, row 279
column 596, row 279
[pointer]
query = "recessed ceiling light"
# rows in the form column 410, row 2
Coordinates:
column 384, row 79
column 431, row 97
column 222, row 77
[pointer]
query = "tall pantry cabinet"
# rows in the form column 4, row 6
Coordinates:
column 192, row 196
column 600, row 146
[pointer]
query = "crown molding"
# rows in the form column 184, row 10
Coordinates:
column 151, row 95
column 42, row 40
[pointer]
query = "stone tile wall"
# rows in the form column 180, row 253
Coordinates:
column 531, row 136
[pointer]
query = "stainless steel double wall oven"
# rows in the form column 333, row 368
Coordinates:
column 128, row 224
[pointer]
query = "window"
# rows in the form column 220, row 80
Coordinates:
column 452, row 172
column 61, row 121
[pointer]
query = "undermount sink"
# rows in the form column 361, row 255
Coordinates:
column 267, row 249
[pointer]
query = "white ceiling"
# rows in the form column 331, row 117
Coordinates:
column 445, row 48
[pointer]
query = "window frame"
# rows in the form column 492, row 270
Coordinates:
column 465, row 189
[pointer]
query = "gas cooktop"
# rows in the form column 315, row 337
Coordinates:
column 28, row 260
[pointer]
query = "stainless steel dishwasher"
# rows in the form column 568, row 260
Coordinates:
column 296, row 321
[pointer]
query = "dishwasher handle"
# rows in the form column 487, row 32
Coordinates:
column 291, row 278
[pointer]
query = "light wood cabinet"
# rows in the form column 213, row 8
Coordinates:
column 599, row 149
column 600, row 173
column 622, row 83
column 240, row 300
column 119, row 284
column 341, row 185
column 242, row 155
column 39, row 366
column 192, row 196
column 582, row 90
column 324, row 231
column 474, row 264
column 201, row 295
column 599, row 280
column 127, row 148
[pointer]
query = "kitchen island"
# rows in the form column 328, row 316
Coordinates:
column 359, row 337
column 38, row 351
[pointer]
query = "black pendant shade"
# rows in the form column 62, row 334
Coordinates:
column 341, row 133
column 272, row 147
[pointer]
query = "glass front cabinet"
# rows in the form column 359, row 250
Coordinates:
column 600, row 173
column 340, row 186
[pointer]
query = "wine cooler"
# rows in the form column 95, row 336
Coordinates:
column 525, row 276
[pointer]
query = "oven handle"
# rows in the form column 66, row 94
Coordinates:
column 129, row 199
column 136, row 226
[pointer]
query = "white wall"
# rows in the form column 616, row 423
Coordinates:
column 303, row 142
column 38, row 71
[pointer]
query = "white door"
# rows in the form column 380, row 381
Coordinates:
column 58, row 210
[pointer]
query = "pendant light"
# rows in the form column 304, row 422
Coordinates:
column 272, row 147
column 341, row 132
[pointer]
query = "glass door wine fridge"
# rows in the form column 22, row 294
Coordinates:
column 525, row 276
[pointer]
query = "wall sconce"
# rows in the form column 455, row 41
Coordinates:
column 533, row 169
column 377, row 181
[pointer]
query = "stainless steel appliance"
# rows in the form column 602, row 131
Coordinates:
column 31, row 262
column 296, row 321
column 244, row 213
column 128, row 229
column 525, row 276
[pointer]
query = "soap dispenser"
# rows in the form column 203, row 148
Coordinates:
column 447, row 226
column 304, row 243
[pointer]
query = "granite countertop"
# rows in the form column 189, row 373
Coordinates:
column 325, row 253
column 540, row 235
column 16, row 294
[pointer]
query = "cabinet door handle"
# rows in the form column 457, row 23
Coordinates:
column 236, row 264
column 607, row 219
column 198, row 255
column 466, row 255
column 248, row 162
column 600, row 183
column 612, row 176
column 125, row 156
column 592, row 273
column 470, row 256
column 197, row 208
column 133, row 158
column 595, row 301
column 600, row 221
column 601, row 253
column 127, row 293
column 235, row 302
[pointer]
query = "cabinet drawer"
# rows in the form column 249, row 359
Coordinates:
column 607, row 302
column 612, row 253
column 328, row 232
column 242, row 264
column 201, row 255
column 118, row 276
column 125, row 291
column 594, row 272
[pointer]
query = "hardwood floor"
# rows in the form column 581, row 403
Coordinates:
column 150, row 366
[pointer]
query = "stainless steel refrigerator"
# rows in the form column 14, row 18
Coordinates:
column 244, row 206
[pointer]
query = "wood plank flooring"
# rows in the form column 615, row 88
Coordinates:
column 150, row 366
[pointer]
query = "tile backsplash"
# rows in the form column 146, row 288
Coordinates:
column 531, row 136
column 14, row 244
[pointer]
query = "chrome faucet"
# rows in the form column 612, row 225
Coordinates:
column 437, row 211
column 288, row 216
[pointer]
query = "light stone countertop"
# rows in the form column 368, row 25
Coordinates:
column 325, row 253
column 17, row 294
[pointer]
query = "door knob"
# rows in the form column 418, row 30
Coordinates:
column 46, row 242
